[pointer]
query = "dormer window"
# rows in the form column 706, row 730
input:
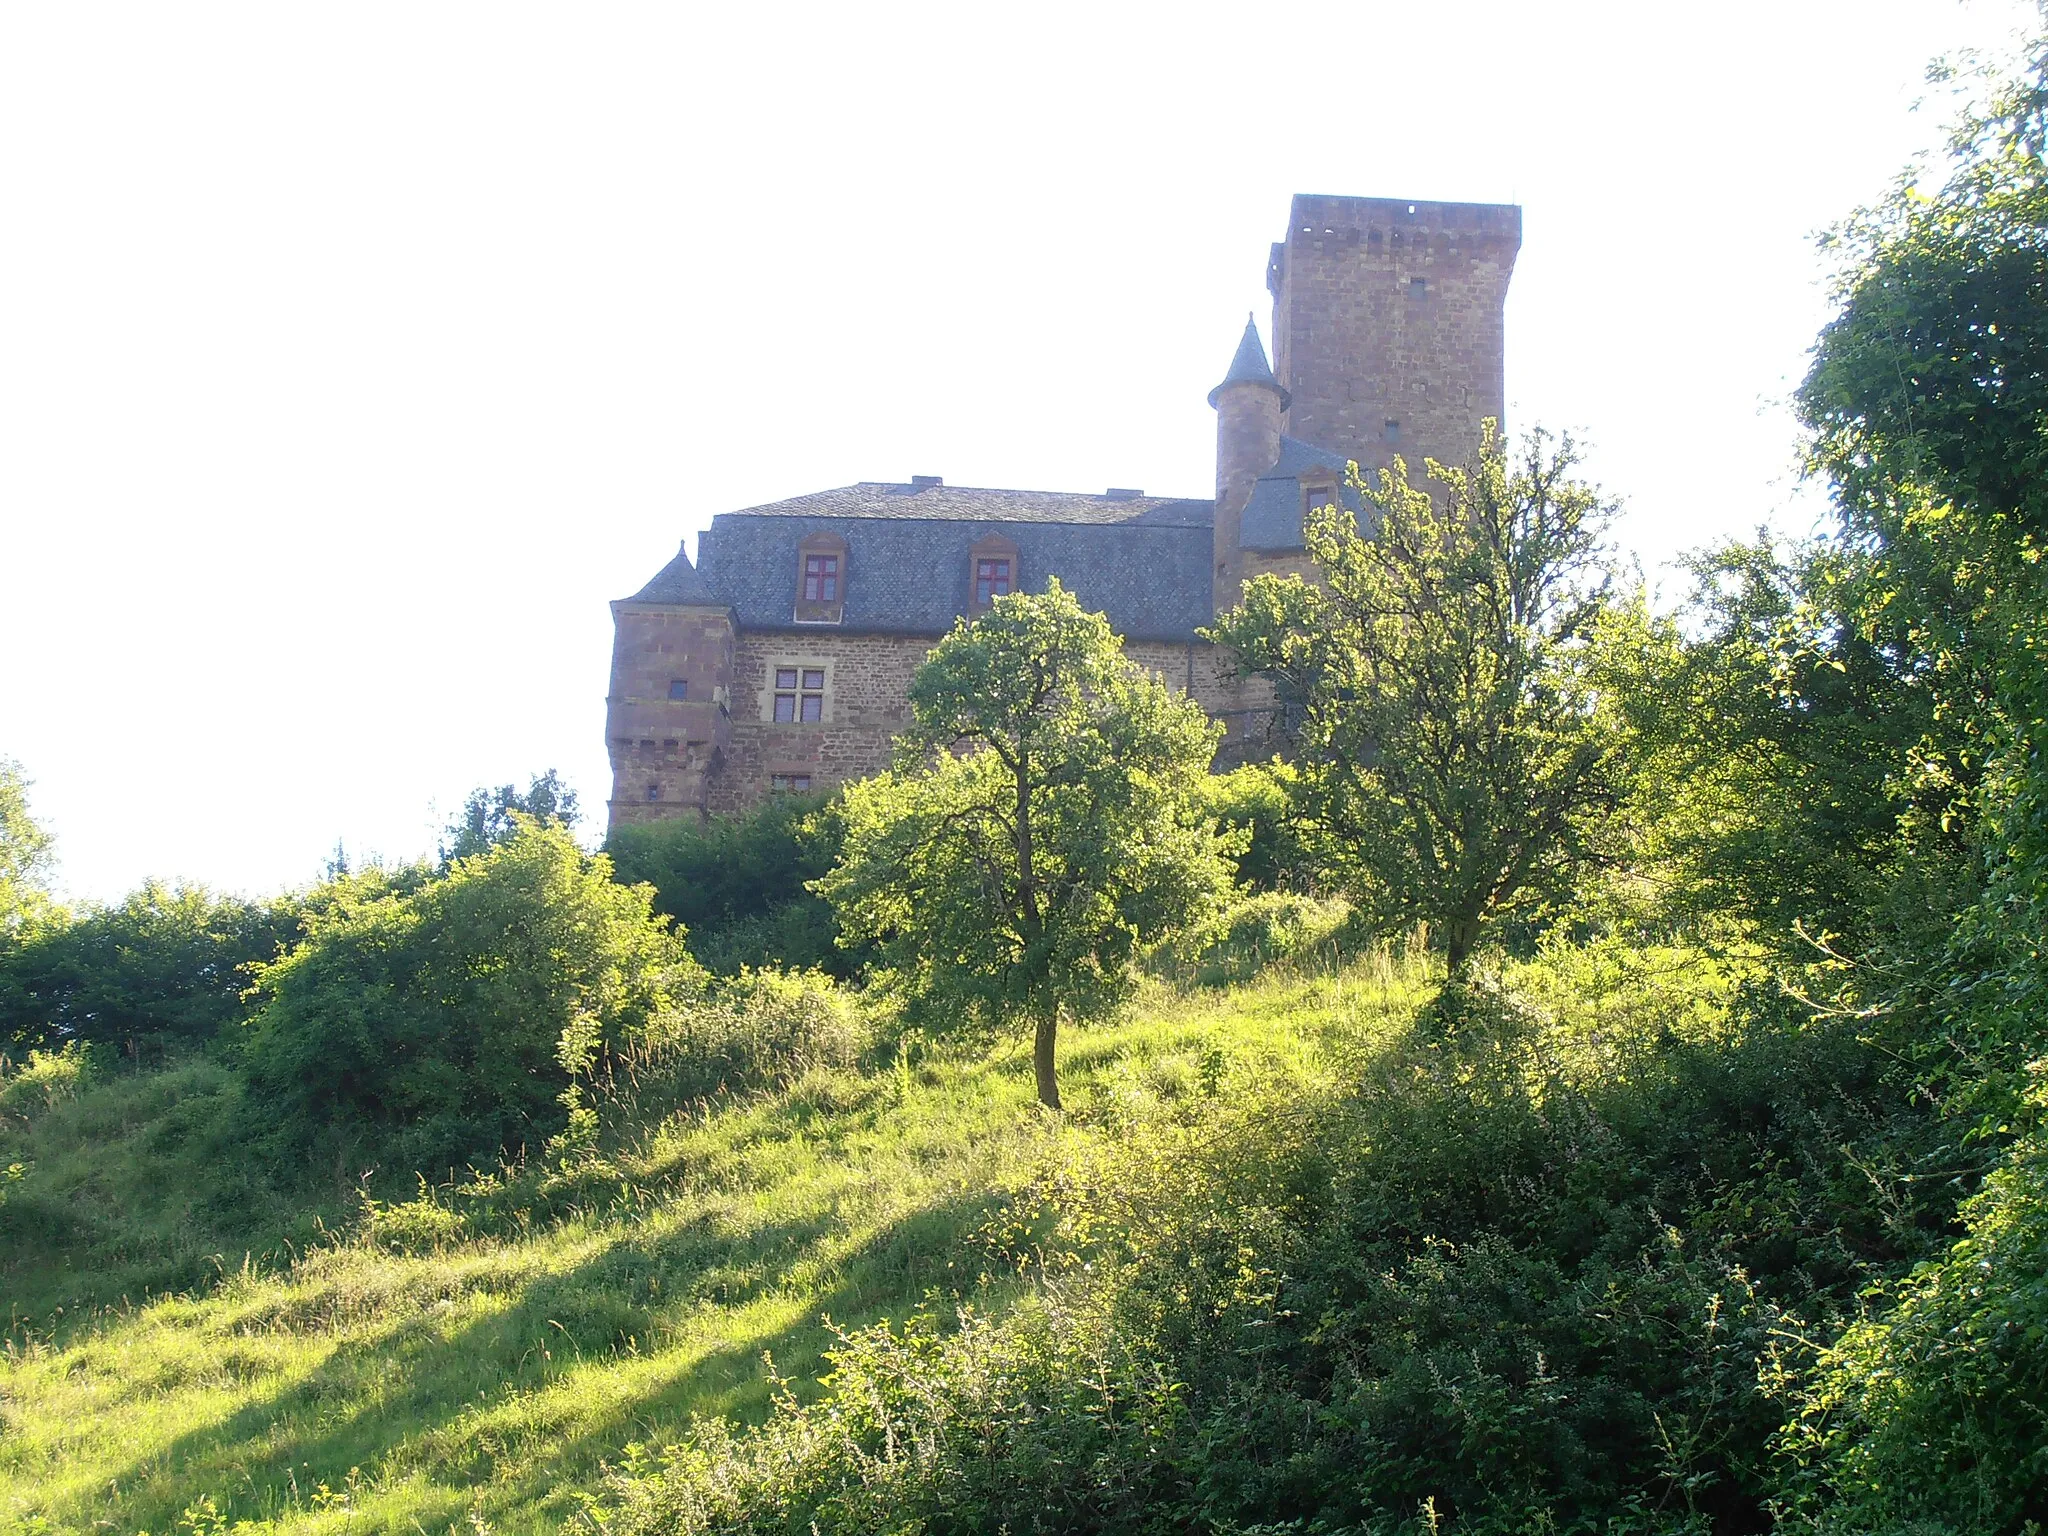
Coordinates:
column 991, row 579
column 992, row 570
column 821, row 579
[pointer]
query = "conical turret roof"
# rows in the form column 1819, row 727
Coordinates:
column 679, row 583
column 1249, row 366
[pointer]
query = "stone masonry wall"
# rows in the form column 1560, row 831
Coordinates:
column 867, row 678
column 867, row 681
column 1247, row 444
column 1386, row 310
column 662, row 750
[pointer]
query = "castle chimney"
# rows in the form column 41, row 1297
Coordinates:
column 1248, row 405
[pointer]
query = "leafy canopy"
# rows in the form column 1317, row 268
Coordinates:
column 24, row 854
column 491, row 816
column 1454, row 745
column 1043, row 821
column 739, row 884
column 167, row 965
column 1793, row 782
column 447, row 1021
column 1928, row 401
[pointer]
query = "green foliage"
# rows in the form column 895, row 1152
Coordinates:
column 1929, row 1412
column 492, row 816
column 1043, row 822
column 426, row 1025
column 43, row 1081
column 1928, row 399
column 1455, row 746
column 758, row 1030
column 24, row 855
column 1257, row 799
column 740, row 884
column 1792, row 776
column 1521, row 1277
column 167, row 966
column 1265, row 928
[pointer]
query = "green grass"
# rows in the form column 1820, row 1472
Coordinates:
column 485, row 1382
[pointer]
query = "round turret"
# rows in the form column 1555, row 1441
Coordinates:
column 1248, row 405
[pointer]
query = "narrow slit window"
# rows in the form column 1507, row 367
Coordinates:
column 991, row 579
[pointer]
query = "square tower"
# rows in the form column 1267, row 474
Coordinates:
column 1389, row 324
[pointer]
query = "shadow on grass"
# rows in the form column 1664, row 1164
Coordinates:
column 520, row 1407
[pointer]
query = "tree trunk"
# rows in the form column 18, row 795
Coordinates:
column 1042, row 1057
column 1459, row 936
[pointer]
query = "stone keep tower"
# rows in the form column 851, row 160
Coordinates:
column 1388, row 324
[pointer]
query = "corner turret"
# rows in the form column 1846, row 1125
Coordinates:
column 668, row 717
column 1248, row 403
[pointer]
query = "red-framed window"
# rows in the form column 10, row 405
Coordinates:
column 799, row 695
column 821, row 578
column 991, row 578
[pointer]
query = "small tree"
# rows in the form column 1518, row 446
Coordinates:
column 491, row 816
column 1451, row 738
column 24, row 854
column 1043, row 821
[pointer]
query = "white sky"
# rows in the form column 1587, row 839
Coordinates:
column 352, row 357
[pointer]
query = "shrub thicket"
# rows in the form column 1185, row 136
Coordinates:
column 740, row 884
column 428, row 1028
column 761, row 1029
column 1524, row 1274
column 165, row 968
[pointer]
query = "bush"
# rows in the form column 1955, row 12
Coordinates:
column 1270, row 928
column 1930, row 1409
column 1258, row 797
column 758, row 1030
column 46, row 1079
column 1513, row 1274
column 740, row 884
column 430, row 1026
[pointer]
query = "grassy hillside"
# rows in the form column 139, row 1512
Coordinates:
column 475, row 1358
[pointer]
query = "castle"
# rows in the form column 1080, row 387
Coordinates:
column 780, row 660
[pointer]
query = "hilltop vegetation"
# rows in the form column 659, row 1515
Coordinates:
column 1681, row 1171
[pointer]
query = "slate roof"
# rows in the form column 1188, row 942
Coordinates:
column 926, row 503
column 677, row 582
column 1271, row 520
column 1249, row 366
column 1144, row 561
